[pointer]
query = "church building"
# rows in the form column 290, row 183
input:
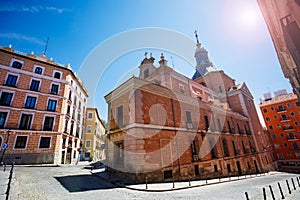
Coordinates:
column 164, row 126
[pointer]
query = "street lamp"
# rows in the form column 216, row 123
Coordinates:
column 5, row 146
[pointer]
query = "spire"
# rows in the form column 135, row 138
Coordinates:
column 162, row 61
column 196, row 35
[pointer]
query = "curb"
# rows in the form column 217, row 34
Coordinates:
column 171, row 189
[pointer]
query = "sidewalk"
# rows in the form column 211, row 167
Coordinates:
column 170, row 186
column 4, row 180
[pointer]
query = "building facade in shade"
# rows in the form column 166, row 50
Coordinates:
column 42, row 109
column 165, row 126
column 282, row 118
column 94, row 145
column 283, row 21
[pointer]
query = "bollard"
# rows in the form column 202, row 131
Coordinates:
column 264, row 194
column 4, row 168
column 293, row 183
column 298, row 181
column 206, row 181
column 247, row 197
column 146, row 183
column 288, row 186
column 282, row 196
column 272, row 193
column 229, row 178
column 189, row 181
column 173, row 184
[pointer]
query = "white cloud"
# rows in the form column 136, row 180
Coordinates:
column 33, row 9
column 22, row 37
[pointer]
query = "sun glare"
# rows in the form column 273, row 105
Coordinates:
column 248, row 18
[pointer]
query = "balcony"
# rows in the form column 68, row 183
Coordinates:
column 285, row 119
column 289, row 128
column 292, row 138
column 281, row 109
column 16, row 126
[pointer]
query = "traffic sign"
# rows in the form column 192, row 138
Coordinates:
column 5, row 146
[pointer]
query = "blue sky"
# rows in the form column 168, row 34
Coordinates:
column 233, row 32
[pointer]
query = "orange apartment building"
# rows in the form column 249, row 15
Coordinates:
column 283, row 20
column 42, row 109
column 282, row 118
column 165, row 126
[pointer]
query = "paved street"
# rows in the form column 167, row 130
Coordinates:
column 74, row 182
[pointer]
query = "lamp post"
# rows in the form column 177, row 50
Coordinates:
column 5, row 146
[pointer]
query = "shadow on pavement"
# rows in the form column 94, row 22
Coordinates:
column 82, row 183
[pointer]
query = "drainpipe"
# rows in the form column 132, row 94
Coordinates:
column 176, row 142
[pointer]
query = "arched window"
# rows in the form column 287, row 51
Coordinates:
column 17, row 64
column 38, row 70
column 57, row 75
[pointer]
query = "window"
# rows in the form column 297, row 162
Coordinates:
column 75, row 100
column 88, row 143
column 70, row 96
column 228, row 168
column 285, row 144
column 5, row 99
column 296, row 123
column 267, row 119
column 3, row 116
column 89, row 128
column 181, row 88
column 120, row 121
column 265, row 110
column 281, row 135
column 229, row 127
column 188, row 117
column 215, row 168
column 90, row 115
column 48, row 123
column 280, row 155
column 273, row 136
column 35, row 84
column 272, row 108
column 278, row 126
column 51, row 105
column 21, row 142
column 275, row 117
column 69, row 110
column 30, row 102
column 288, row 105
column 66, row 126
column 219, row 125
column 17, row 64
column 271, row 127
column 206, row 122
column 11, row 80
column 280, row 108
column 277, row 146
column 57, row 75
column 25, row 121
column 38, row 70
column 146, row 73
column 44, row 142
column 168, row 174
column 295, row 146
column 225, row 147
column 54, row 89
column 292, row 114
column 284, row 117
